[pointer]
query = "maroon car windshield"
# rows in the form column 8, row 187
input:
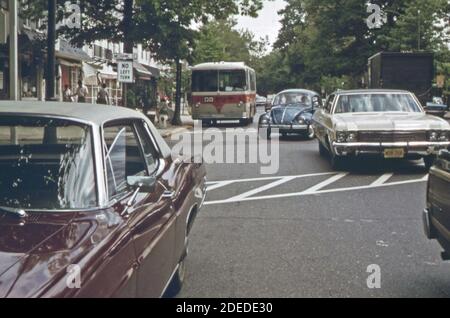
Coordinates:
column 46, row 164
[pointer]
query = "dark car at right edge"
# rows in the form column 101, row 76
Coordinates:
column 437, row 214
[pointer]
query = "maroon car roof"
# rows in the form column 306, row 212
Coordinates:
column 95, row 114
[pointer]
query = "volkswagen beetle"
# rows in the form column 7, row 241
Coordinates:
column 291, row 113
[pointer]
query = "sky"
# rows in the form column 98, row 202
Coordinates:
column 267, row 22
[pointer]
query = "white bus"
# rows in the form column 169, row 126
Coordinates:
column 223, row 91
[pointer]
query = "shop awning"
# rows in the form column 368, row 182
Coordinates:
column 153, row 70
column 105, row 72
column 142, row 72
column 65, row 50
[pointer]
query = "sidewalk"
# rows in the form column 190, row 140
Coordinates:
column 170, row 130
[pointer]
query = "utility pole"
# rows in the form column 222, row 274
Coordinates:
column 51, row 41
column 13, row 50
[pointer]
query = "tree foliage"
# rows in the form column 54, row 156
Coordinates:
column 323, row 42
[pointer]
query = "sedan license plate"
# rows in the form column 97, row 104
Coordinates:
column 394, row 153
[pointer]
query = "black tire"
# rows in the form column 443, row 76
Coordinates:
column 310, row 134
column 269, row 133
column 337, row 162
column 429, row 161
column 206, row 123
column 177, row 281
column 322, row 150
column 284, row 135
column 252, row 120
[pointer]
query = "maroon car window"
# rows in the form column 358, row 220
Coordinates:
column 150, row 153
column 123, row 157
column 46, row 164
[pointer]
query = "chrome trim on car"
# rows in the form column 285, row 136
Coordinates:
column 427, row 224
column 391, row 144
column 287, row 127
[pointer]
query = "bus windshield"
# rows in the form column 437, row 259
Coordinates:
column 204, row 81
column 222, row 80
column 232, row 81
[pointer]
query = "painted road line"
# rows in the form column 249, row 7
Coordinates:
column 274, row 178
column 218, row 185
column 262, row 189
column 383, row 179
column 304, row 193
column 325, row 183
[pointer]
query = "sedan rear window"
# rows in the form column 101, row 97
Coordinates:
column 46, row 164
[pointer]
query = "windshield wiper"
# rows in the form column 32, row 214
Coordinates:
column 16, row 212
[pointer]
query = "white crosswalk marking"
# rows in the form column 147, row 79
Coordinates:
column 380, row 182
column 218, row 185
column 325, row 183
column 262, row 189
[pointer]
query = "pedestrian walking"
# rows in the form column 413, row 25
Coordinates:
column 67, row 95
column 103, row 96
column 82, row 92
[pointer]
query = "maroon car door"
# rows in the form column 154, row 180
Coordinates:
column 153, row 223
column 150, row 216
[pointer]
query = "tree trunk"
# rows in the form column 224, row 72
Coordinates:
column 176, row 121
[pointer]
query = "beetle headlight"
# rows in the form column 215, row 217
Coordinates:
column 341, row 136
column 301, row 120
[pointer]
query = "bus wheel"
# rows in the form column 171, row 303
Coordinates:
column 206, row 123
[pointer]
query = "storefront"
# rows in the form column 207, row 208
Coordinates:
column 95, row 74
column 70, row 66
column 145, row 87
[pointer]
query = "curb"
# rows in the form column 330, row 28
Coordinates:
column 167, row 133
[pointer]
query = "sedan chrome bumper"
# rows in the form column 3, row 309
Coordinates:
column 413, row 147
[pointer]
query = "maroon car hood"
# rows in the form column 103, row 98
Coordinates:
column 34, row 250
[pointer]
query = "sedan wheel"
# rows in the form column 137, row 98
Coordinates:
column 310, row 134
column 322, row 150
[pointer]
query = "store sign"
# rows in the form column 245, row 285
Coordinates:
column 125, row 71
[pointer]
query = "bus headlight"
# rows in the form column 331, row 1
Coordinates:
column 197, row 105
column 240, row 104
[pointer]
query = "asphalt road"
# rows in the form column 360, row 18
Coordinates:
column 310, row 232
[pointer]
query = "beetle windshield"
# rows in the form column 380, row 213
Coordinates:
column 366, row 103
column 293, row 99
column 46, row 164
